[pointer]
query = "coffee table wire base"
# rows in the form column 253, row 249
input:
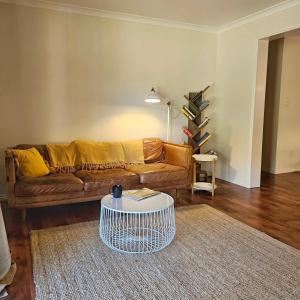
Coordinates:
column 137, row 232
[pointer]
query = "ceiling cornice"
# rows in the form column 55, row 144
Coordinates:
column 154, row 21
column 74, row 9
column 260, row 14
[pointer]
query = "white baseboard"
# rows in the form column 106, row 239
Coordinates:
column 3, row 198
column 286, row 170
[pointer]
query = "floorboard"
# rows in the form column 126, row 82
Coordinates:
column 274, row 208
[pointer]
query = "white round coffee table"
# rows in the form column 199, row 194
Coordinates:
column 132, row 226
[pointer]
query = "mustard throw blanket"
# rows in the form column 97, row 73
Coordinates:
column 89, row 155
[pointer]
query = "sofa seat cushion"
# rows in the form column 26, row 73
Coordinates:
column 159, row 172
column 104, row 179
column 50, row 184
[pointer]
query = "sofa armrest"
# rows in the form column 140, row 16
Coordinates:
column 10, row 177
column 178, row 155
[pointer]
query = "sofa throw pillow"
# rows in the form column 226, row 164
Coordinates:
column 133, row 151
column 30, row 162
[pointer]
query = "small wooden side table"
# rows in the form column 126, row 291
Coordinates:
column 205, row 186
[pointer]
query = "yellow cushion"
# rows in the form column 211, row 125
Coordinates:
column 30, row 162
column 134, row 151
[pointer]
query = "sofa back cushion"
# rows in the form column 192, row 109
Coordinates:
column 133, row 151
column 153, row 150
column 41, row 148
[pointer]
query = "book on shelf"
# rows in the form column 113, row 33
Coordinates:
column 140, row 194
column 186, row 114
column 204, row 139
column 198, row 102
column 203, row 105
column 194, row 108
column 196, row 97
column 189, row 111
column 196, row 137
column 187, row 131
column 203, row 123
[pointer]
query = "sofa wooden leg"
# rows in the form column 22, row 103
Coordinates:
column 23, row 214
column 24, row 221
column 191, row 189
column 176, row 194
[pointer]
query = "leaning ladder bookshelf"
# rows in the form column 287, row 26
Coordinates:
column 193, row 111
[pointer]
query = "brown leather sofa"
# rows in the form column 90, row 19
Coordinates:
column 169, row 169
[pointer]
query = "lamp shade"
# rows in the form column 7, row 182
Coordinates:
column 153, row 97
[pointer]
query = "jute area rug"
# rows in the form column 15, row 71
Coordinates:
column 212, row 257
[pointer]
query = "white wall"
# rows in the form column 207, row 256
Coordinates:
column 288, row 140
column 272, row 100
column 65, row 76
column 239, row 123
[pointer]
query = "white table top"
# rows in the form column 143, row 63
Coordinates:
column 128, row 205
column 205, row 157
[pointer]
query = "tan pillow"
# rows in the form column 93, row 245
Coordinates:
column 153, row 150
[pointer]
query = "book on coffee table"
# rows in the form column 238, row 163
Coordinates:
column 140, row 194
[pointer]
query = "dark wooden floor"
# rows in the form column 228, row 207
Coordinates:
column 274, row 209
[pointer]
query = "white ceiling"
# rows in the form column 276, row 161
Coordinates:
column 200, row 12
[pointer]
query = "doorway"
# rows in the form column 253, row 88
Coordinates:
column 278, row 73
column 281, row 127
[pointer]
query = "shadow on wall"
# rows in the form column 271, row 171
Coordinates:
column 224, row 170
